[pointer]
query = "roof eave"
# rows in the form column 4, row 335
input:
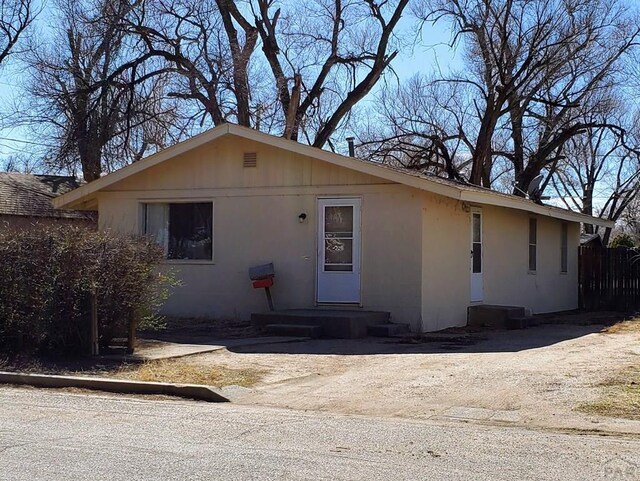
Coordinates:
column 489, row 198
column 74, row 198
column 83, row 197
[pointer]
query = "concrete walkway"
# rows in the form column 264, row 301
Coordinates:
column 151, row 350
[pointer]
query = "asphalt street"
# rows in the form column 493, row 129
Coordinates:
column 53, row 435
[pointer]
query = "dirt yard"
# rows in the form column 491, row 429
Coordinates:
column 544, row 376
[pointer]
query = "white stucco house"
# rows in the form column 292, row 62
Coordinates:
column 339, row 231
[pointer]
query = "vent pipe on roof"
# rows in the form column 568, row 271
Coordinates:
column 352, row 149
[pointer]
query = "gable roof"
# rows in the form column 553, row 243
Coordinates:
column 84, row 195
column 31, row 195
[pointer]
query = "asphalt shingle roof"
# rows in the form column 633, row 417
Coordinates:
column 31, row 195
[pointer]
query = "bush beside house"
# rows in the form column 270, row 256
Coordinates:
column 623, row 240
column 47, row 275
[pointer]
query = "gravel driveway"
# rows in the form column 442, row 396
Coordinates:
column 532, row 377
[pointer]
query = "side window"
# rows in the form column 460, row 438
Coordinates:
column 184, row 230
column 533, row 244
column 564, row 242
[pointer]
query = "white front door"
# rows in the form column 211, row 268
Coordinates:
column 477, row 289
column 339, row 251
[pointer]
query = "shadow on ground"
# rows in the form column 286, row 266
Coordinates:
column 488, row 341
column 241, row 337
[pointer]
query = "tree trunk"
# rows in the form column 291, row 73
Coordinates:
column 483, row 158
column 587, row 208
column 90, row 159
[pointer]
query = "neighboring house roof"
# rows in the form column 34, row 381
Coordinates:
column 31, row 195
column 84, row 197
column 591, row 239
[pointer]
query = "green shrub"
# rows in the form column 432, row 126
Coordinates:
column 47, row 275
column 623, row 240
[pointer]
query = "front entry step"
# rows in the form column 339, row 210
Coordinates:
column 500, row 317
column 522, row 322
column 388, row 330
column 335, row 323
column 294, row 330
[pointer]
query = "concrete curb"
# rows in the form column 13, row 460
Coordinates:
column 189, row 391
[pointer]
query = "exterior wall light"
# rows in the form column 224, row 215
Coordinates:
column 302, row 217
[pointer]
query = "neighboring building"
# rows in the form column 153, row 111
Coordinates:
column 339, row 230
column 25, row 199
column 591, row 240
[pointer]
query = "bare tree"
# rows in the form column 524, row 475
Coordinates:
column 601, row 175
column 536, row 67
column 333, row 52
column 15, row 18
column 91, row 103
column 420, row 125
column 322, row 57
column 19, row 162
column 209, row 45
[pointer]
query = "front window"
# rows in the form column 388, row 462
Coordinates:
column 184, row 229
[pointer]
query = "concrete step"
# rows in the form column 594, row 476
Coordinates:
column 335, row 323
column 388, row 330
column 491, row 316
column 295, row 330
column 522, row 322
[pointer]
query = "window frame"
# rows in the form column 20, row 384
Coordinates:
column 195, row 200
column 564, row 248
column 533, row 221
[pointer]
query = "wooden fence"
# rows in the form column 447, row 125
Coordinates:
column 609, row 278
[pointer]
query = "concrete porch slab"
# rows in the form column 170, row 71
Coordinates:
column 335, row 323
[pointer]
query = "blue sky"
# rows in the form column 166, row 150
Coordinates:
column 431, row 53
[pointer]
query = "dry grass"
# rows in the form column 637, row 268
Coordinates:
column 181, row 371
column 620, row 396
column 630, row 325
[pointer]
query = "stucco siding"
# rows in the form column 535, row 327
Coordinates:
column 446, row 249
column 256, row 221
column 507, row 279
column 415, row 245
column 445, row 266
column 391, row 253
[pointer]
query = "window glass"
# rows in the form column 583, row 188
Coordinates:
column 477, row 228
column 533, row 231
column 338, row 221
column 477, row 257
column 338, row 238
column 184, row 230
column 533, row 240
column 532, row 258
column 156, row 218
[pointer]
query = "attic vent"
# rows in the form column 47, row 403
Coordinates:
column 250, row 159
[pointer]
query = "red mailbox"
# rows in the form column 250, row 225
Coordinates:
column 262, row 278
column 260, row 283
